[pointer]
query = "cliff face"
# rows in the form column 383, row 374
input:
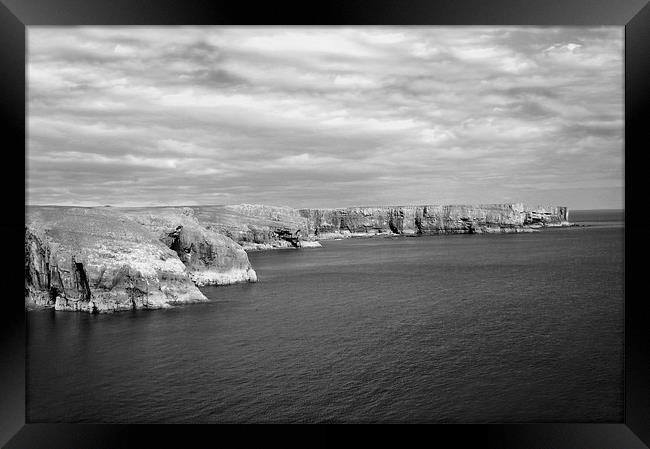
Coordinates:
column 548, row 216
column 96, row 260
column 107, row 259
column 256, row 226
column 265, row 227
column 430, row 220
column 211, row 258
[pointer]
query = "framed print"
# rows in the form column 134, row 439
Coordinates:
column 361, row 214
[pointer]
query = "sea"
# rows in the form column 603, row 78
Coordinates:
column 433, row 329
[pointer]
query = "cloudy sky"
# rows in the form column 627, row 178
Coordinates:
column 325, row 117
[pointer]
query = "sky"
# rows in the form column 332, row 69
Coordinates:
column 325, row 116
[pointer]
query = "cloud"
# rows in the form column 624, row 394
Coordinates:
column 330, row 116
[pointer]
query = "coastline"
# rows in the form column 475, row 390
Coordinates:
column 108, row 259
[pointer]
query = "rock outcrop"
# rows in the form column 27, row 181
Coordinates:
column 257, row 227
column 211, row 258
column 110, row 259
column 97, row 260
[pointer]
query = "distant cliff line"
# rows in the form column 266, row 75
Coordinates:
column 435, row 219
column 106, row 259
column 257, row 226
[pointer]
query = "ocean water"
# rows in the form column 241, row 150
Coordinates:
column 445, row 329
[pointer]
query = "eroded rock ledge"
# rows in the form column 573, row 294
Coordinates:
column 211, row 258
column 105, row 259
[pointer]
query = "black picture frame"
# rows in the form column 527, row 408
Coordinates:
column 16, row 15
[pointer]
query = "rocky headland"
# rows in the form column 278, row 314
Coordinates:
column 211, row 258
column 107, row 259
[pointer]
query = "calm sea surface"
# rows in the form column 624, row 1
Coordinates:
column 465, row 328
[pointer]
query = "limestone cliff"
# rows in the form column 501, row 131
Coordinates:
column 211, row 258
column 264, row 227
column 99, row 260
column 257, row 226
column 431, row 220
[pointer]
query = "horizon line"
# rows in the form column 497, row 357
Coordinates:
column 342, row 207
